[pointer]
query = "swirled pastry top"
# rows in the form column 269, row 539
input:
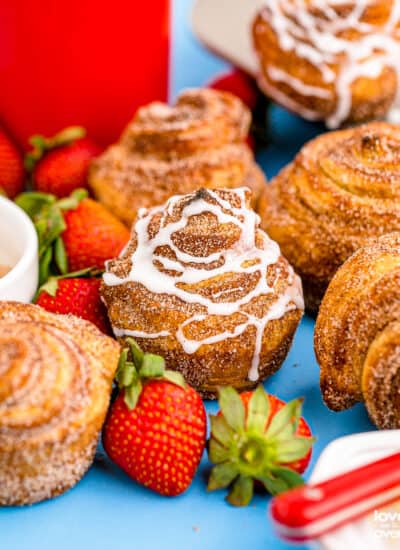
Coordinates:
column 167, row 150
column 342, row 189
column 357, row 334
column 353, row 176
column 204, row 255
column 55, row 380
column 335, row 42
column 201, row 119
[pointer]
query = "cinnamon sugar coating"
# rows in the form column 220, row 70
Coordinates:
column 342, row 189
column 197, row 304
column 166, row 151
column 56, row 374
column 357, row 334
column 331, row 61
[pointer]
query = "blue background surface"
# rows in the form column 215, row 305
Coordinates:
column 107, row 510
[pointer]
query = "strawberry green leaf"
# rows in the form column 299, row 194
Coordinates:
column 175, row 378
column 153, row 366
column 55, row 226
column 293, row 448
column 217, row 453
column 136, row 352
column 132, row 394
column 123, row 358
column 241, row 492
column 220, row 430
column 44, row 265
column 291, row 478
column 127, row 375
column 33, row 202
column 232, row 408
column 41, row 144
column 60, row 256
column 41, row 228
column 66, row 136
column 274, row 485
column 285, row 420
column 222, row 475
column 72, row 202
column 51, row 286
column 258, row 410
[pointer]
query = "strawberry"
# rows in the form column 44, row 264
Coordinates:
column 60, row 164
column 239, row 84
column 156, row 428
column 92, row 235
column 77, row 296
column 244, row 87
column 74, row 233
column 257, row 437
column 11, row 167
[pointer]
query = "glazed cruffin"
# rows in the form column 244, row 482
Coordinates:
column 331, row 61
column 342, row 189
column 56, row 374
column 203, row 286
column 164, row 151
column 357, row 334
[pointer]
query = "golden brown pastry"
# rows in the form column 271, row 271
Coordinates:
column 55, row 382
column 331, row 61
column 342, row 189
column 169, row 151
column 357, row 335
column 203, row 286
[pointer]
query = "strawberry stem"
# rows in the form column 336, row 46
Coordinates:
column 41, row 144
column 135, row 368
column 247, row 445
column 47, row 214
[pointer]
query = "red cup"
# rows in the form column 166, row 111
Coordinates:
column 86, row 62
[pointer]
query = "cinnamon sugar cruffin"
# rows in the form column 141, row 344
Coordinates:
column 55, row 382
column 131, row 306
column 342, row 189
column 167, row 151
column 357, row 334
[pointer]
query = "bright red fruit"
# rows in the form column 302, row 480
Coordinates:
column 75, row 233
column 240, row 84
column 156, row 428
column 65, row 169
column 79, row 297
column 256, row 437
column 11, row 167
column 60, row 164
column 92, row 236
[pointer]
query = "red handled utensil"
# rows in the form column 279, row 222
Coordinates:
column 311, row 511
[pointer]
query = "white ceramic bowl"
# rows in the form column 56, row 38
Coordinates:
column 19, row 250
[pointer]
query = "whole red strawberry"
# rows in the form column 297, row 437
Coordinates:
column 257, row 437
column 239, row 84
column 156, row 428
column 11, row 167
column 77, row 296
column 74, row 233
column 92, row 235
column 60, row 164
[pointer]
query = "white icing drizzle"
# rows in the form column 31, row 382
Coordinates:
column 315, row 40
column 145, row 271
